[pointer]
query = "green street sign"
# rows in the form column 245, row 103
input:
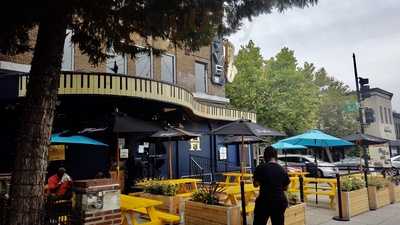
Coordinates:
column 351, row 106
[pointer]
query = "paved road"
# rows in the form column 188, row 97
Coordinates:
column 389, row 215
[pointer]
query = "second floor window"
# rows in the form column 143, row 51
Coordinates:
column 386, row 116
column 168, row 68
column 200, row 72
column 143, row 62
column 381, row 113
column 68, row 56
column 117, row 64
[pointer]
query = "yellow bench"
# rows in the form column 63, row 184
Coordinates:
column 249, row 208
column 166, row 218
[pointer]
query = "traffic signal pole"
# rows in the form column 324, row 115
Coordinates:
column 361, row 119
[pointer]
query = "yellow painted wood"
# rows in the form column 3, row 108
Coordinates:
column 100, row 84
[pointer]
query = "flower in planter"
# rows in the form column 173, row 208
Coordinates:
column 293, row 199
column 208, row 194
column 350, row 183
column 395, row 180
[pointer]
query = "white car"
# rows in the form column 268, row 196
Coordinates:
column 325, row 169
column 396, row 161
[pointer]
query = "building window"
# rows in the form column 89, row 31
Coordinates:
column 117, row 63
column 386, row 115
column 195, row 144
column 381, row 113
column 143, row 61
column 68, row 56
column 201, row 77
column 168, row 68
column 390, row 114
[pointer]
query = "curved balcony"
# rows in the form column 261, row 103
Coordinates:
column 82, row 83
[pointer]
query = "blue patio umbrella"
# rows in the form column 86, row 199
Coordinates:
column 316, row 138
column 74, row 139
column 283, row 145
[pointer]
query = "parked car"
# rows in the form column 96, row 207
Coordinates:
column 324, row 169
column 289, row 168
column 353, row 162
column 396, row 161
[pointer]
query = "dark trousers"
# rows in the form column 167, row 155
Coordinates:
column 263, row 211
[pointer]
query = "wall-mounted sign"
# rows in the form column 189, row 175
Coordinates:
column 146, row 144
column 141, row 149
column 195, row 144
column 217, row 61
column 123, row 153
column 223, row 153
column 56, row 152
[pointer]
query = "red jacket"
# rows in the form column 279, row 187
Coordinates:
column 58, row 189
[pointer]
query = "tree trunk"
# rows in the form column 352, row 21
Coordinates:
column 33, row 137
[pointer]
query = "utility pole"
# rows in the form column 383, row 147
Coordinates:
column 361, row 119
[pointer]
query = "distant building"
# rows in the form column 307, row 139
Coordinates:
column 395, row 145
column 381, row 102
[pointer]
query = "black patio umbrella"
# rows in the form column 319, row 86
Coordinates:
column 169, row 135
column 364, row 139
column 247, row 140
column 126, row 124
column 244, row 128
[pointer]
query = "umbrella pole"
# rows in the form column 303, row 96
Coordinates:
column 244, row 219
column 316, row 183
column 284, row 152
column 170, row 160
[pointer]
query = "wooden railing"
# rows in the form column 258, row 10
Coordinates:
column 81, row 83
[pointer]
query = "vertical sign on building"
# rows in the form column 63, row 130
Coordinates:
column 217, row 61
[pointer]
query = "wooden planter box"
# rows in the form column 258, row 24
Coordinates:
column 197, row 213
column 296, row 215
column 378, row 198
column 353, row 203
column 172, row 204
column 394, row 191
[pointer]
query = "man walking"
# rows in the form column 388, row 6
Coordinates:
column 273, row 181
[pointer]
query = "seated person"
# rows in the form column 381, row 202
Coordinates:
column 59, row 185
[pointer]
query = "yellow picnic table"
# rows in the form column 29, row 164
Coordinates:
column 130, row 206
column 233, row 178
column 298, row 174
column 329, row 188
column 232, row 194
column 185, row 185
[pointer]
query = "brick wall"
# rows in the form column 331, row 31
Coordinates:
column 86, row 213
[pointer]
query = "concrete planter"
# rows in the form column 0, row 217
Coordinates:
column 378, row 198
column 353, row 203
column 197, row 213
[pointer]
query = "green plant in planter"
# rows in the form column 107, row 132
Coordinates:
column 293, row 199
column 378, row 182
column 208, row 194
column 350, row 183
column 156, row 188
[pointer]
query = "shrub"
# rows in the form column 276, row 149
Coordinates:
column 378, row 182
column 351, row 183
column 208, row 194
column 157, row 188
column 293, row 199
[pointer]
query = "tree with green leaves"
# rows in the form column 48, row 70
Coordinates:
column 280, row 92
column 337, row 116
column 97, row 26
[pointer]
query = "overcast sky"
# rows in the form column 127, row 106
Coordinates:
column 328, row 34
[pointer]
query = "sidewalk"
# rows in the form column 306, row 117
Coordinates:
column 388, row 215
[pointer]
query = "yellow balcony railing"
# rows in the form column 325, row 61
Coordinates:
column 81, row 83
